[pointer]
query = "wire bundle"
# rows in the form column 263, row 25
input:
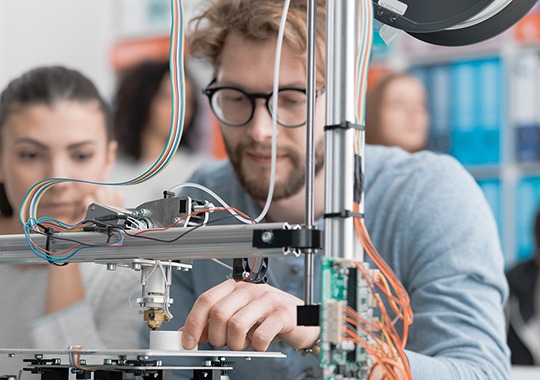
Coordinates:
column 388, row 352
column 176, row 63
column 31, row 200
column 75, row 361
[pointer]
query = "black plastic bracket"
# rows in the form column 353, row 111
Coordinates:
column 344, row 125
column 307, row 315
column 301, row 238
column 344, row 214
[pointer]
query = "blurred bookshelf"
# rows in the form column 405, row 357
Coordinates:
column 484, row 102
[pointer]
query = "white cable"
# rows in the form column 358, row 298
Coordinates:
column 275, row 91
column 222, row 264
column 216, row 197
column 139, row 311
column 167, row 282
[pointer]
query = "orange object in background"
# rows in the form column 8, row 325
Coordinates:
column 129, row 52
column 376, row 73
column 528, row 29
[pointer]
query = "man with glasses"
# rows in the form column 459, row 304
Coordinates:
column 425, row 214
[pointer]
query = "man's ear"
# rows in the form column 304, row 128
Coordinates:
column 112, row 148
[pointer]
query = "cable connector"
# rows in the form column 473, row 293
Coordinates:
column 333, row 317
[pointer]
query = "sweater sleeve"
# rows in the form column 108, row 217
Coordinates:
column 447, row 254
column 103, row 320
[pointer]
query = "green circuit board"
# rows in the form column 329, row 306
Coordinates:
column 343, row 285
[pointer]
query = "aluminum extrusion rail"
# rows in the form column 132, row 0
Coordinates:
column 235, row 241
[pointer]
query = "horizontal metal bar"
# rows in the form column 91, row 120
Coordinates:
column 199, row 243
column 30, row 352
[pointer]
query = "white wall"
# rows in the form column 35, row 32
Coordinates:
column 76, row 33
column 73, row 33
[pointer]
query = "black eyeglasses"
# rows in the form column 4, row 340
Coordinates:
column 235, row 107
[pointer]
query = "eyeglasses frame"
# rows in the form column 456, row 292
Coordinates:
column 210, row 91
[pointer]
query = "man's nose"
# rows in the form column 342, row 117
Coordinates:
column 260, row 125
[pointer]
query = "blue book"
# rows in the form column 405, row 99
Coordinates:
column 525, row 106
column 527, row 203
column 527, row 143
column 439, row 101
column 490, row 111
column 464, row 97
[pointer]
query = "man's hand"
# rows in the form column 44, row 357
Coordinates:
column 241, row 315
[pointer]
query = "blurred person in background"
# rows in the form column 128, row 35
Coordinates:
column 142, row 121
column 523, row 309
column 397, row 113
column 54, row 124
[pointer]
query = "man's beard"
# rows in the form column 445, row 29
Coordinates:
column 257, row 188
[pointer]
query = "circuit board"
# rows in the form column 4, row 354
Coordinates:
column 343, row 286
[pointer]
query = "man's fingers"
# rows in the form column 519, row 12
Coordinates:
column 223, row 313
column 261, row 318
column 200, row 313
column 265, row 333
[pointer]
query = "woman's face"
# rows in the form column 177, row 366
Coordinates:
column 404, row 114
column 67, row 140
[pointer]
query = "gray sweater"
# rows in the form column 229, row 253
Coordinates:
column 103, row 320
column 430, row 222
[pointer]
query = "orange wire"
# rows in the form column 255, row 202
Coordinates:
column 387, row 282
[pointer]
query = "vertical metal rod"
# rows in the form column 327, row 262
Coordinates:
column 341, row 46
column 311, row 75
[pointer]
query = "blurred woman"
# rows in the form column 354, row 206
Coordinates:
column 54, row 124
column 397, row 113
column 142, row 122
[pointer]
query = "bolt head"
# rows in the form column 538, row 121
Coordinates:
column 267, row 237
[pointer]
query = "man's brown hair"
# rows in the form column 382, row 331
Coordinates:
column 258, row 20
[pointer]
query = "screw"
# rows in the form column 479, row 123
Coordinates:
column 267, row 237
column 111, row 266
column 380, row 12
column 11, row 355
column 245, row 275
column 92, row 208
column 393, row 18
column 247, row 358
column 142, row 213
column 176, row 220
column 136, row 266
